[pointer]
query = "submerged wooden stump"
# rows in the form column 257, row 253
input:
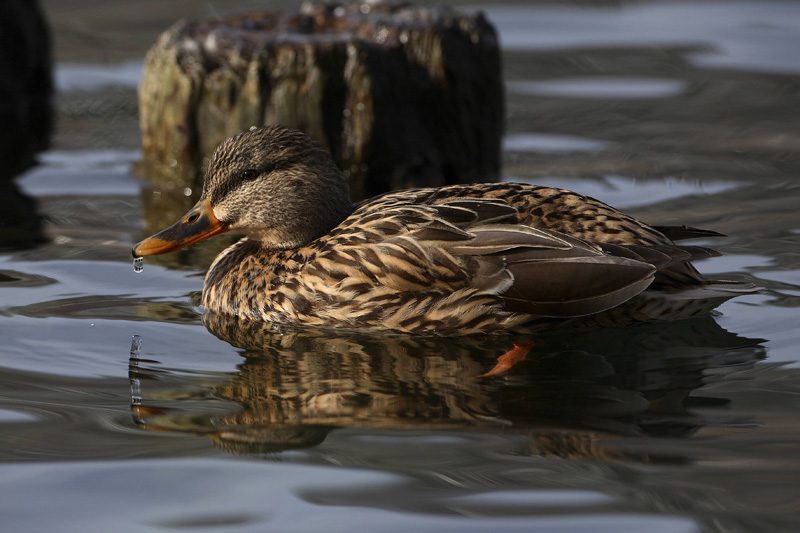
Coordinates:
column 401, row 96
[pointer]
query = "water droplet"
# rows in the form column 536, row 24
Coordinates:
column 138, row 264
column 136, row 345
column 133, row 370
column 187, row 191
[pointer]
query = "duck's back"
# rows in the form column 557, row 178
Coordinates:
column 559, row 210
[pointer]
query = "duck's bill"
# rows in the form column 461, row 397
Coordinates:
column 198, row 224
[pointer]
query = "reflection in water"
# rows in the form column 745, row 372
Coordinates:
column 574, row 391
column 20, row 224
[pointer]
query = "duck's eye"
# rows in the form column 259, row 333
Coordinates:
column 249, row 174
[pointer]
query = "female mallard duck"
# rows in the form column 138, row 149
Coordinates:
column 456, row 260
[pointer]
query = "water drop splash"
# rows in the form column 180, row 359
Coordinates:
column 138, row 264
column 136, row 346
column 133, row 371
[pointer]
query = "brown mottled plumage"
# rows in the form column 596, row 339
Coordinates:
column 463, row 259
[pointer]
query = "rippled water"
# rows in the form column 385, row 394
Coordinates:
column 121, row 410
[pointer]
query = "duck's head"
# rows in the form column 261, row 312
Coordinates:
column 272, row 184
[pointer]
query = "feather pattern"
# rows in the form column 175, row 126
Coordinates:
column 463, row 259
column 466, row 266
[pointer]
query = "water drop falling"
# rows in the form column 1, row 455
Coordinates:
column 138, row 264
column 136, row 345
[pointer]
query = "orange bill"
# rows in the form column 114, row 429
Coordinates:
column 199, row 223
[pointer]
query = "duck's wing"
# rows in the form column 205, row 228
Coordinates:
column 561, row 276
column 467, row 244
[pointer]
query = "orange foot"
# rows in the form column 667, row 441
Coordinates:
column 509, row 359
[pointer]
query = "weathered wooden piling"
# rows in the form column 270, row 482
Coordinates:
column 26, row 114
column 400, row 95
column 26, row 85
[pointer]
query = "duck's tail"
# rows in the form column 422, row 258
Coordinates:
column 689, row 302
column 676, row 304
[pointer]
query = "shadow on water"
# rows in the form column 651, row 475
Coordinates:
column 572, row 394
column 20, row 224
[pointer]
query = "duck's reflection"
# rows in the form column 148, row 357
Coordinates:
column 573, row 390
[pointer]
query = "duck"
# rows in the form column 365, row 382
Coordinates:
column 474, row 259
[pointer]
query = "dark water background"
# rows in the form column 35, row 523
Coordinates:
column 679, row 112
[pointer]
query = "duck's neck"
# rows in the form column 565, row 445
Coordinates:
column 295, row 234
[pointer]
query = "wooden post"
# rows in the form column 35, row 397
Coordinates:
column 26, row 115
column 401, row 96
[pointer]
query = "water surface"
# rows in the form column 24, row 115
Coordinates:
column 679, row 113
